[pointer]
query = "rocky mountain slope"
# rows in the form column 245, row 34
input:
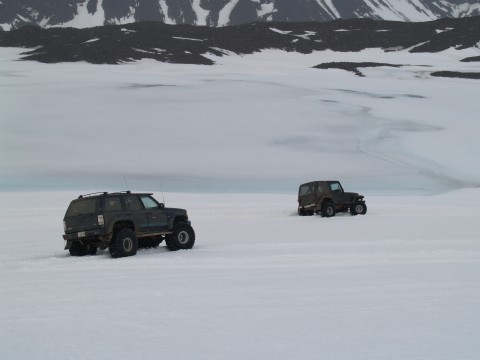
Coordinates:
column 192, row 44
column 88, row 13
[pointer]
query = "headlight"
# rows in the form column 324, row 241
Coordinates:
column 100, row 220
column 64, row 226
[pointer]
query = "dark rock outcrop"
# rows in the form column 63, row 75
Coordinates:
column 188, row 44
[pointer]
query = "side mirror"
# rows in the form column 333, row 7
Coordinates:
column 162, row 206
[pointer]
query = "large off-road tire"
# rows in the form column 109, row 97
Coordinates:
column 183, row 237
column 301, row 212
column 124, row 243
column 78, row 249
column 328, row 209
column 358, row 207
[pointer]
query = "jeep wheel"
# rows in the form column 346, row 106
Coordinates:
column 358, row 208
column 183, row 237
column 328, row 209
column 78, row 249
column 124, row 244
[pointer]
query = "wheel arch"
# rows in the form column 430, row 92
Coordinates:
column 178, row 219
column 326, row 199
column 358, row 198
column 122, row 224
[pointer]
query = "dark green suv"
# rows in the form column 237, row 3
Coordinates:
column 326, row 198
column 122, row 222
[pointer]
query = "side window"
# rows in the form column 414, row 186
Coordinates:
column 323, row 188
column 134, row 203
column 113, row 204
column 149, row 203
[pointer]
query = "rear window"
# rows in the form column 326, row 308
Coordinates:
column 81, row 207
column 306, row 189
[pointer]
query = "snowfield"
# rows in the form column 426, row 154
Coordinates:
column 231, row 143
column 401, row 282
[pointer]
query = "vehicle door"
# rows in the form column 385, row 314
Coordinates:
column 157, row 217
column 337, row 193
column 138, row 213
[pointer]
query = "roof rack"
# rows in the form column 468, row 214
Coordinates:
column 95, row 193
column 107, row 193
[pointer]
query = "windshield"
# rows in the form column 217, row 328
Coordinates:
column 336, row 187
column 81, row 207
column 149, row 202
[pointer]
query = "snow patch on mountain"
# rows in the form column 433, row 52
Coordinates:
column 404, row 10
column 84, row 19
column 466, row 10
column 267, row 8
column 127, row 19
column 200, row 12
column 460, row 10
column 164, row 7
column 328, row 6
column 224, row 14
column 280, row 31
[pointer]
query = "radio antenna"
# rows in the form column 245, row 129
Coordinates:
column 126, row 183
column 161, row 189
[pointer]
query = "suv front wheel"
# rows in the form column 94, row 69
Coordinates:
column 183, row 237
column 124, row 244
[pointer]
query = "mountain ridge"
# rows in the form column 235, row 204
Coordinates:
column 187, row 44
column 90, row 13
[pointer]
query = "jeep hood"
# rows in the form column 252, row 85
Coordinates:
column 353, row 195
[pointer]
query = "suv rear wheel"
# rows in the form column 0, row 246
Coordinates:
column 124, row 244
column 183, row 237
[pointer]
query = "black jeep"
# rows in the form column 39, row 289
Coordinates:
column 327, row 198
column 122, row 222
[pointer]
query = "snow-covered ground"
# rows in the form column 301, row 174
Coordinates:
column 262, row 122
column 231, row 143
column 402, row 282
